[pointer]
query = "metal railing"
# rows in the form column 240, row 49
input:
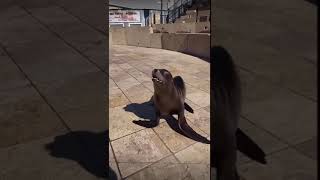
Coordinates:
column 178, row 9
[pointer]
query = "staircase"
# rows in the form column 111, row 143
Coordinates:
column 185, row 10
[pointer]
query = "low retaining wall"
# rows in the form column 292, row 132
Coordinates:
column 196, row 44
column 198, row 27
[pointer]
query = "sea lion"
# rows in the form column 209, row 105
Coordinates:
column 169, row 97
column 227, row 137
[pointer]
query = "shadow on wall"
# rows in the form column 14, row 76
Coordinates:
column 146, row 111
column 89, row 149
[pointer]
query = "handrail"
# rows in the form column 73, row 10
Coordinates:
column 175, row 12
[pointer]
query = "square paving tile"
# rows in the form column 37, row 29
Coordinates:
column 115, row 71
column 138, row 94
column 198, row 171
column 273, row 108
column 10, row 75
column 197, row 82
column 87, row 89
column 309, row 148
column 174, row 140
column 99, row 54
column 50, row 61
column 301, row 76
column 125, row 66
column 264, row 140
column 196, row 153
column 170, row 168
column 127, row 83
column 190, row 89
column 112, row 84
column 18, row 27
column 120, row 122
column 200, row 98
column 201, row 119
column 81, row 9
column 203, row 75
column 207, row 108
column 25, row 116
column 113, row 168
column 287, row 164
column 143, row 147
column 117, row 98
column 79, row 34
column 140, row 76
column 145, row 69
column 90, row 118
column 167, row 168
column 149, row 85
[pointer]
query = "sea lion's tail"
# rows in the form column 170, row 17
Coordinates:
column 248, row 147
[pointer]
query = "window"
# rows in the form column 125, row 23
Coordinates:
column 135, row 25
column 117, row 25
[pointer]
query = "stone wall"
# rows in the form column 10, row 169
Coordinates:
column 197, row 44
column 183, row 27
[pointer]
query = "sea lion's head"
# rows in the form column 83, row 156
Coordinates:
column 162, row 79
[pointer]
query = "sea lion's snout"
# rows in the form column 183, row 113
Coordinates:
column 157, row 76
column 153, row 73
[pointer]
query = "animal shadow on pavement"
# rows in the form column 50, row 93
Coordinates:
column 88, row 149
column 146, row 112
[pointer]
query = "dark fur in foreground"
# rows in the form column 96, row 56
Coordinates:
column 227, row 138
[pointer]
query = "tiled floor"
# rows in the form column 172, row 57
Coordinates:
column 274, row 45
column 152, row 153
column 51, row 50
column 52, row 92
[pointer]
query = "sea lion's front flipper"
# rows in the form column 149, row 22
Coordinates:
column 157, row 114
column 150, row 102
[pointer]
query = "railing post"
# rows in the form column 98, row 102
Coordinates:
column 161, row 15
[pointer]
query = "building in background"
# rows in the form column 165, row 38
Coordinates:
column 121, row 17
column 173, row 11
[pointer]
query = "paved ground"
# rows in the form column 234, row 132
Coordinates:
column 161, row 152
column 52, row 120
column 51, row 50
column 274, row 44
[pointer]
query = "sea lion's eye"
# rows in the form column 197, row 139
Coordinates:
column 166, row 74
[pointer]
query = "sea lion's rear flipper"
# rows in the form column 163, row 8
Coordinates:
column 188, row 108
column 188, row 131
column 248, row 147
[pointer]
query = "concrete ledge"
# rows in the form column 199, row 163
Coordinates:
column 118, row 36
column 138, row 36
column 199, row 45
column 196, row 44
column 175, row 42
column 183, row 27
column 156, row 40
